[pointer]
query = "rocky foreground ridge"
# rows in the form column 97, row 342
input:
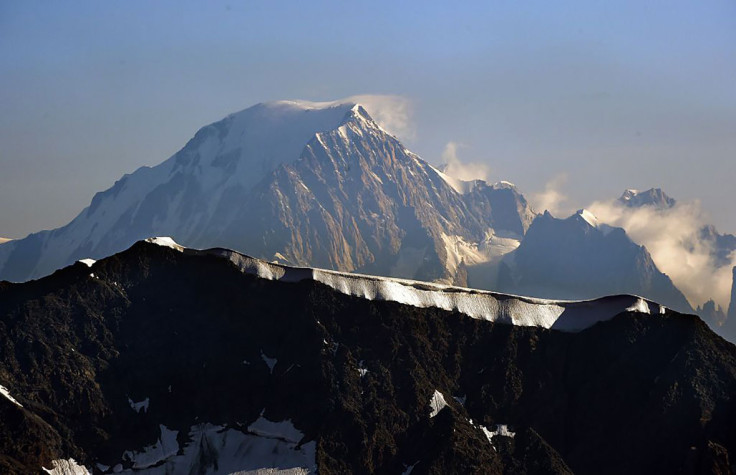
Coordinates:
column 161, row 359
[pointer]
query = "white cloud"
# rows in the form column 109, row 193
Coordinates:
column 463, row 171
column 393, row 113
column 552, row 199
column 672, row 238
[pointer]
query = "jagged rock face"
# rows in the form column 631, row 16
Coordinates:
column 722, row 246
column 305, row 183
column 711, row 312
column 323, row 185
column 353, row 201
column 191, row 195
column 154, row 342
column 654, row 197
column 507, row 208
column 572, row 258
column 719, row 246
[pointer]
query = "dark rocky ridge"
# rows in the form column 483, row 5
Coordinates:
column 638, row 393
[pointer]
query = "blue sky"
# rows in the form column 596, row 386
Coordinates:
column 591, row 97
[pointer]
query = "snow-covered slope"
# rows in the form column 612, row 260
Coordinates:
column 186, row 195
column 308, row 183
column 485, row 305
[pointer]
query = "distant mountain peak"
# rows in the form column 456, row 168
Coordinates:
column 504, row 185
column 654, row 197
column 317, row 183
column 587, row 258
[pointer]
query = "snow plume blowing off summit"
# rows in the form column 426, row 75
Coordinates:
column 393, row 113
column 676, row 240
column 454, row 167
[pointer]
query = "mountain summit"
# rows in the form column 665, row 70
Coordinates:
column 654, row 197
column 322, row 184
column 300, row 182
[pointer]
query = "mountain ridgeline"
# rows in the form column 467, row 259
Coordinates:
column 164, row 360
column 322, row 184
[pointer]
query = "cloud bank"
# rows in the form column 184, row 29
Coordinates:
column 673, row 238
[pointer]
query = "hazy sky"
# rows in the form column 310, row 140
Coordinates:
column 592, row 97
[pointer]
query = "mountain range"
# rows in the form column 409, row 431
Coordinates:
column 304, row 183
column 163, row 359
column 718, row 247
column 322, row 184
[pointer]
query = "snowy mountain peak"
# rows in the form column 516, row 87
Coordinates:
column 301, row 104
column 628, row 194
column 504, row 185
column 652, row 197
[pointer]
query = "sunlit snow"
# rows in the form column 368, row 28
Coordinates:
column 588, row 217
column 436, row 403
column 641, row 306
column 501, row 429
column 362, row 370
column 66, row 467
column 4, row 392
column 165, row 242
column 565, row 315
